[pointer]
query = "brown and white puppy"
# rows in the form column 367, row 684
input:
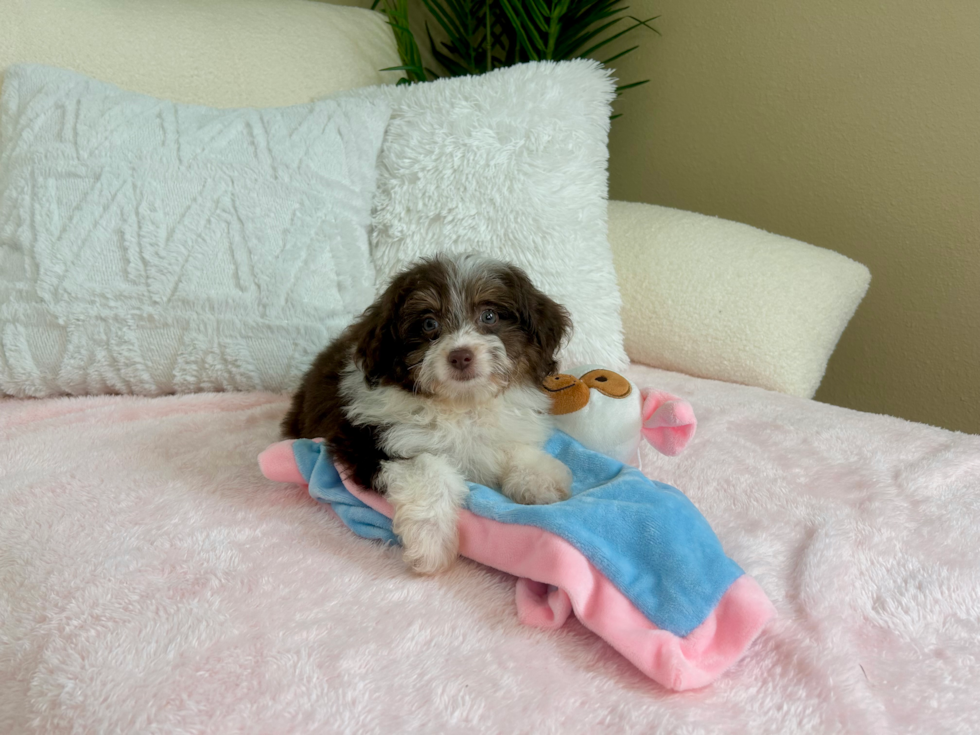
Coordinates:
column 437, row 384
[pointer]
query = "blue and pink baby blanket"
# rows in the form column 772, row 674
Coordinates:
column 632, row 558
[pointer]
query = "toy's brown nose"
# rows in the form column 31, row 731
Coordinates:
column 460, row 359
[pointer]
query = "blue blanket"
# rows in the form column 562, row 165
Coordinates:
column 646, row 537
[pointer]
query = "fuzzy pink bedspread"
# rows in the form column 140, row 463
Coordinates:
column 152, row 581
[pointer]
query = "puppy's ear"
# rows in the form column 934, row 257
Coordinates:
column 545, row 321
column 374, row 350
column 377, row 350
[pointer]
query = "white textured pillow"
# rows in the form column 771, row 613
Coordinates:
column 719, row 299
column 511, row 164
column 149, row 247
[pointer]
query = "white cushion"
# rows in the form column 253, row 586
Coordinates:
column 511, row 164
column 718, row 299
column 221, row 53
column 149, row 247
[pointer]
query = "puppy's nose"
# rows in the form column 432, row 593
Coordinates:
column 461, row 358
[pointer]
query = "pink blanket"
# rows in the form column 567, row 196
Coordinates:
column 152, row 581
column 716, row 610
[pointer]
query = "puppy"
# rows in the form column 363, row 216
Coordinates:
column 437, row 384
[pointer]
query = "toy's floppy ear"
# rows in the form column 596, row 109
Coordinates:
column 668, row 421
column 568, row 394
column 608, row 383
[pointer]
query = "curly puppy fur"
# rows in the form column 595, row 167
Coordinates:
column 435, row 385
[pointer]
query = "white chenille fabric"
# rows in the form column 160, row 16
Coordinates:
column 149, row 247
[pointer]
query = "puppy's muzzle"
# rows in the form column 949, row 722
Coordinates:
column 462, row 361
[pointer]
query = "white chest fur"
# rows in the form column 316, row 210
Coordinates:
column 475, row 438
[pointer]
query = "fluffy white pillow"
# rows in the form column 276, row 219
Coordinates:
column 149, row 247
column 723, row 300
column 510, row 164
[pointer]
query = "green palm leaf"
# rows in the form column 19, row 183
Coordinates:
column 478, row 36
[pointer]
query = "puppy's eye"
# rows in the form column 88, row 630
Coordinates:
column 429, row 324
column 489, row 316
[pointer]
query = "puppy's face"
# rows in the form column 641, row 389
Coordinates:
column 461, row 329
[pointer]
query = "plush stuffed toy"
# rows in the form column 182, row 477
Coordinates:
column 607, row 413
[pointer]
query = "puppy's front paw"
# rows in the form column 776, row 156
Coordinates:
column 429, row 548
column 537, row 479
column 426, row 493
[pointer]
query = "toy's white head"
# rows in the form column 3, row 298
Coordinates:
column 600, row 409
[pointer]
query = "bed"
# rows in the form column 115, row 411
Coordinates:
column 154, row 581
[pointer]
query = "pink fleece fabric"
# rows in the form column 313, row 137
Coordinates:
column 152, row 580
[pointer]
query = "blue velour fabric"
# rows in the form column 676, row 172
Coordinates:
column 646, row 537
column 325, row 485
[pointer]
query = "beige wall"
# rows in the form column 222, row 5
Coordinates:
column 844, row 123
column 851, row 125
